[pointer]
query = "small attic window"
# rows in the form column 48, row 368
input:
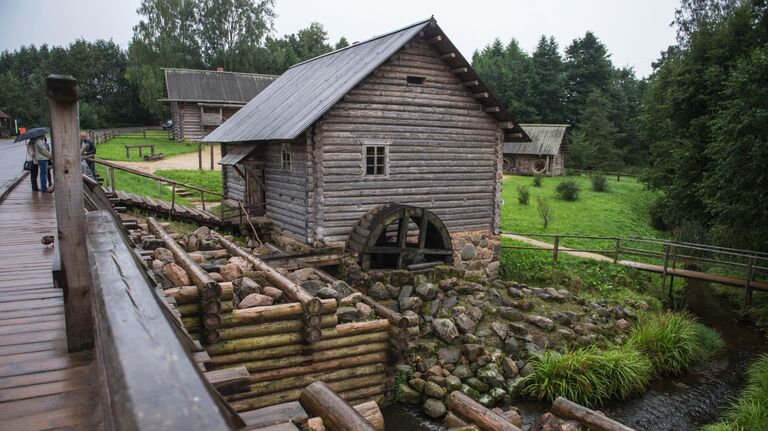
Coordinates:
column 418, row 80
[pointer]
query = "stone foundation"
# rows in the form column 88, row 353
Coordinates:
column 476, row 252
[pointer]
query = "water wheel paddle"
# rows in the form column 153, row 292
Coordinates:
column 393, row 236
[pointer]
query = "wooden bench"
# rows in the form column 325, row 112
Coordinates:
column 140, row 147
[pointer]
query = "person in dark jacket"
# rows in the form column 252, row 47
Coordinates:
column 88, row 152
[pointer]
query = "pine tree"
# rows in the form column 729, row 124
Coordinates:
column 549, row 90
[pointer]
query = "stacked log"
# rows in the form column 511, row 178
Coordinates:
column 475, row 413
column 320, row 399
column 209, row 290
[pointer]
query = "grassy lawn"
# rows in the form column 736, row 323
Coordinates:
column 141, row 186
column 622, row 211
column 209, row 180
column 114, row 149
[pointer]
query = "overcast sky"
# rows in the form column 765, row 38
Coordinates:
column 635, row 32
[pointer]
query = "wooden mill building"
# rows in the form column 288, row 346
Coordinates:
column 201, row 100
column 398, row 119
column 544, row 154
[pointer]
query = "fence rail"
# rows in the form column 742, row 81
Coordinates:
column 618, row 175
column 101, row 136
column 669, row 258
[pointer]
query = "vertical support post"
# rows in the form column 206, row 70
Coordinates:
column 173, row 198
column 202, row 199
column 200, row 156
column 159, row 195
column 555, row 248
column 112, row 178
column 70, row 217
column 618, row 176
column 748, row 284
column 664, row 272
column 144, row 131
column 127, row 152
column 618, row 250
column 212, row 157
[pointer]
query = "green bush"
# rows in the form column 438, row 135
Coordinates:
column 568, row 190
column 599, row 183
column 545, row 213
column 658, row 212
column 588, row 376
column 750, row 411
column 709, row 340
column 523, row 194
column 537, row 178
column 672, row 341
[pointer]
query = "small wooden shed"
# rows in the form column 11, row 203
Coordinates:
column 544, row 154
column 397, row 130
column 201, row 100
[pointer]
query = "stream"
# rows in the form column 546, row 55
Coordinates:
column 672, row 403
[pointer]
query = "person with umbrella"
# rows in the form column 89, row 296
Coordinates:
column 31, row 163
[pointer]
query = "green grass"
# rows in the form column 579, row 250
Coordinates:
column 623, row 211
column 209, row 180
column 750, row 411
column 673, row 342
column 114, row 149
column 141, row 186
column 589, row 376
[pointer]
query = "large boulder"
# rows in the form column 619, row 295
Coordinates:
column 446, row 330
column 254, row 300
column 434, row 408
column 164, row 255
column 427, row 291
column 230, row 272
column 541, row 322
column 432, row 389
column 378, row 291
column 347, row 314
column 406, row 394
column 491, row 374
column 176, row 275
column 272, row 292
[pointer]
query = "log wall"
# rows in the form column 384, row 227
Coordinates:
column 523, row 163
column 443, row 148
column 187, row 121
column 286, row 191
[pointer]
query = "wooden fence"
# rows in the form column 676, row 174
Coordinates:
column 589, row 173
column 723, row 265
column 103, row 135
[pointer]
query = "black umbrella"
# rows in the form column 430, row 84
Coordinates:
column 32, row 133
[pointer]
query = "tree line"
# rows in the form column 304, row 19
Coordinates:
column 122, row 87
column 583, row 89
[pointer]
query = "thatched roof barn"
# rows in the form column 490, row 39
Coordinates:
column 543, row 155
column 399, row 127
column 201, row 100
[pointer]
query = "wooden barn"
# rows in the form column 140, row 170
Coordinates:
column 5, row 127
column 543, row 155
column 201, row 100
column 392, row 146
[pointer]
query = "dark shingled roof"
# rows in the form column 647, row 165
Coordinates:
column 4, row 115
column 545, row 140
column 309, row 89
column 189, row 85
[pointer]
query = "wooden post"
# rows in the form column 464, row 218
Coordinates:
column 200, row 156
column 127, row 152
column 748, row 284
column 618, row 250
column 336, row 414
column 173, row 197
column 618, row 176
column 554, row 249
column 664, row 272
column 70, row 217
column 212, row 156
column 158, row 189
column 112, row 177
column 474, row 412
column 594, row 420
column 145, row 133
column 202, row 199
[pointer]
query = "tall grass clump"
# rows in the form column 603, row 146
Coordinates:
column 588, row 376
column 750, row 411
column 523, row 194
column 672, row 341
column 599, row 183
column 537, row 178
column 568, row 190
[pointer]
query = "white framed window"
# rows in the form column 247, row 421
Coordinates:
column 376, row 159
column 286, row 162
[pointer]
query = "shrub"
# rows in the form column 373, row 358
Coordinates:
column 658, row 212
column 750, row 411
column 568, row 190
column 588, row 376
column 542, row 208
column 537, row 178
column 599, row 183
column 672, row 341
column 523, row 194
column 709, row 340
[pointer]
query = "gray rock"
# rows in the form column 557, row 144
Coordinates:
column 527, row 370
column 378, row 291
column 163, row 254
column 434, row 408
column 462, row 371
column 452, row 383
column 351, row 300
column 515, row 293
column 511, row 346
column 449, row 355
column 255, row 300
column 603, row 312
column 418, row 384
column 510, row 368
column 430, row 308
column 518, row 329
column 492, row 375
column 313, row 286
column 477, row 384
column 541, row 322
column 446, row 330
column 622, row 324
column 432, row 389
column 450, row 301
column 472, row 351
column 501, row 329
column 427, row 291
column 511, row 313
column 561, row 318
column 394, row 291
column 467, row 252
column 465, row 324
column 327, row 293
column 272, row 292
column 492, row 269
column 347, row 314
column 533, row 349
column 343, row 288
column 515, row 387
column 247, row 286
column 475, row 313
column 410, row 303
column 407, row 394
column 364, row 310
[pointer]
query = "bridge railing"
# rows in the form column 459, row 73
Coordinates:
column 742, row 268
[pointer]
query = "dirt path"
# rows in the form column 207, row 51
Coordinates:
column 560, row 249
column 182, row 161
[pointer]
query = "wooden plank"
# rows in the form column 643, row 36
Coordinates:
column 77, row 373
column 62, row 101
column 32, row 337
column 15, row 409
column 42, row 389
column 56, row 345
column 59, row 363
column 61, row 418
column 279, row 413
column 54, row 324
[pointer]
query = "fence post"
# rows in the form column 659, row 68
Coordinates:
column 618, row 250
column 554, row 249
column 664, row 272
column 159, row 195
column 212, row 157
column 145, row 133
column 618, row 176
column 112, row 178
column 200, row 156
column 70, row 218
column 173, row 198
column 748, row 284
column 202, row 199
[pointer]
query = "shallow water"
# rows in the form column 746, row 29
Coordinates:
column 679, row 403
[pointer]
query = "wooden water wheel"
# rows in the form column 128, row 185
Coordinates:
column 508, row 165
column 395, row 236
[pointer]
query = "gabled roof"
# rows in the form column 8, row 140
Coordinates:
column 188, row 85
column 545, row 140
column 4, row 115
column 307, row 90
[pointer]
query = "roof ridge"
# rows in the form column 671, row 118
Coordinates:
column 220, row 71
column 431, row 18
